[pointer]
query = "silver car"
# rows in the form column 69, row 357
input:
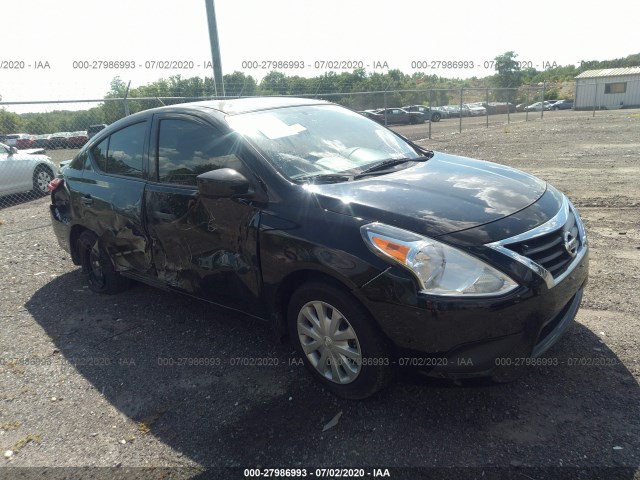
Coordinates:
column 21, row 171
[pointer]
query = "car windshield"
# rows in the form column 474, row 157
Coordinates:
column 320, row 140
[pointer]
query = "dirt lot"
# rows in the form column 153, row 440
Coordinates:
column 87, row 380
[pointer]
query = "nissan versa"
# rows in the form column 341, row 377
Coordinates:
column 366, row 250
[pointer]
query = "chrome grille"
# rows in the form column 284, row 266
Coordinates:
column 550, row 251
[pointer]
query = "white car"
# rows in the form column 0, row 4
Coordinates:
column 476, row 110
column 21, row 171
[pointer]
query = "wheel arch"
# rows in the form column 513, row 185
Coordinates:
column 280, row 296
column 74, row 234
column 44, row 166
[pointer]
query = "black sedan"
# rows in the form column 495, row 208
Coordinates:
column 367, row 251
column 396, row 116
column 429, row 113
column 562, row 105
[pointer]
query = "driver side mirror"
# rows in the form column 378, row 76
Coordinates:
column 12, row 150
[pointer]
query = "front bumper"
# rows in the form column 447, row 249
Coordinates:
column 464, row 337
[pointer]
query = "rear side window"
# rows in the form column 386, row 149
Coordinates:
column 121, row 153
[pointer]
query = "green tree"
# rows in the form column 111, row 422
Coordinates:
column 274, row 83
column 9, row 122
column 236, row 84
column 509, row 75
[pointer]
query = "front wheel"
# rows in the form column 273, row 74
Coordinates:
column 338, row 342
column 97, row 266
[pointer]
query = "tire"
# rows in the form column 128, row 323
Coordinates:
column 98, row 267
column 361, row 363
column 41, row 178
column 435, row 117
column 556, row 108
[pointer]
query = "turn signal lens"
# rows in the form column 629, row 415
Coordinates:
column 395, row 250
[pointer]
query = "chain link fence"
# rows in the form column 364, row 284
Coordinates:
column 33, row 144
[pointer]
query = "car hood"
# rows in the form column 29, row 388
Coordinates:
column 24, row 155
column 32, row 151
column 443, row 195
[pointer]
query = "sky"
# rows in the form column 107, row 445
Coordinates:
column 46, row 43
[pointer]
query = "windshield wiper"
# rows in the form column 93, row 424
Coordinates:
column 325, row 178
column 386, row 164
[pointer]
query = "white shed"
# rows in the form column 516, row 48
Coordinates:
column 608, row 88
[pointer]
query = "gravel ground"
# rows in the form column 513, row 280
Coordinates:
column 89, row 380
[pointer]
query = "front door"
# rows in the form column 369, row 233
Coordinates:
column 202, row 246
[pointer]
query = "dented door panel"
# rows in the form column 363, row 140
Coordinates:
column 113, row 208
column 205, row 247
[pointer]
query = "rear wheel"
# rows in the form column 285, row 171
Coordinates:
column 97, row 266
column 435, row 117
column 41, row 178
column 337, row 341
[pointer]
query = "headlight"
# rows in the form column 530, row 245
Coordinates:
column 439, row 268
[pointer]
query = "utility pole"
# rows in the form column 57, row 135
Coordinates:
column 215, row 48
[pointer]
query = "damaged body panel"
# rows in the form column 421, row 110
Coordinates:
column 205, row 247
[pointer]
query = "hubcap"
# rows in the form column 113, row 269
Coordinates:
column 42, row 181
column 329, row 342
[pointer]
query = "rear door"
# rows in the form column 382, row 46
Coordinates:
column 108, row 196
column 203, row 246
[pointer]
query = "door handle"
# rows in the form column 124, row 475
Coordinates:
column 167, row 217
column 86, row 201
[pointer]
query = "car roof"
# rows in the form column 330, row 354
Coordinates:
column 234, row 106
column 237, row 106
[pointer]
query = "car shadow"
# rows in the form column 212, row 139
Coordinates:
column 215, row 385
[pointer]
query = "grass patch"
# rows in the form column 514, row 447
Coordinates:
column 9, row 426
column 24, row 441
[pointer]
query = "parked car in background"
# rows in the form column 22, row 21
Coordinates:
column 42, row 141
column 394, row 116
column 566, row 104
column 10, row 139
column 443, row 112
column 476, row 109
column 538, row 106
column 25, row 141
column 93, row 129
column 371, row 114
column 21, row 171
column 497, row 108
column 77, row 139
column 360, row 246
column 455, row 111
column 520, row 107
column 429, row 113
column 59, row 140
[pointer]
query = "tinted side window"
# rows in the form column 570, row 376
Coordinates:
column 121, row 153
column 125, row 151
column 186, row 149
column 99, row 153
